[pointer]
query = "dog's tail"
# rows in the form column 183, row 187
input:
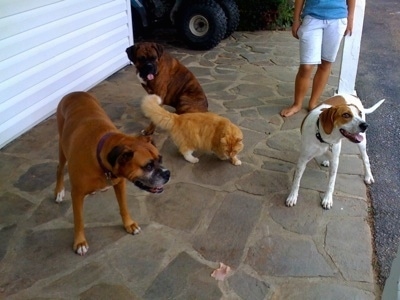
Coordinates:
column 373, row 108
column 152, row 109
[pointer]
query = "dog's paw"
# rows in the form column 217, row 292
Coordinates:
column 327, row 202
column 291, row 200
column 60, row 196
column 325, row 163
column 81, row 248
column 369, row 179
column 133, row 228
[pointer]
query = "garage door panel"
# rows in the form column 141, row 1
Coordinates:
column 34, row 37
column 40, row 65
column 32, row 18
column 50, row 50
column 50, row 85
column 57, row 65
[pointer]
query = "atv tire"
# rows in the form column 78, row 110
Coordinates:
column 232, row 14
column 202, row 24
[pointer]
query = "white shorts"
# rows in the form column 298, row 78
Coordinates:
column 320, row 39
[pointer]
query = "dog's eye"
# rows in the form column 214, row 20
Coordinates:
column 346, row 115
column 149, row 166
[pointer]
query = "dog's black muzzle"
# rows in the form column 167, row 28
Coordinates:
column 155, row 184
column 165, row 174
column 146, row 69
column 363, row 126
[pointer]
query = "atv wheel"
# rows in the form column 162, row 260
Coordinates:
column 202, row 24
column 232, row 14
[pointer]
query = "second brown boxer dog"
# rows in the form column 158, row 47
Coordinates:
column 99, row 156
column 163, row 75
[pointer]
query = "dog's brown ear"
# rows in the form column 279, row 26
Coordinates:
column 159, row 48
column 327, row 119
column 131, row 52
column 146, row 139
column 119, row 154
column 125, row 157
column 113, row 155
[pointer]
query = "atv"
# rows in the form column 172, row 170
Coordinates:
column 202, row 24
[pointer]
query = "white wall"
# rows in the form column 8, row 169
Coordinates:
column 49, row 48
column 351, row 52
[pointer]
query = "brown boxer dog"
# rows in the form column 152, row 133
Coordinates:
column 163, row 75
column 99, row 156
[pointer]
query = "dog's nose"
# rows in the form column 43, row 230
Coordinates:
column 363, row 126
column 166, row 174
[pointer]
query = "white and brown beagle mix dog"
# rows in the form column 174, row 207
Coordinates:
column 342, row 116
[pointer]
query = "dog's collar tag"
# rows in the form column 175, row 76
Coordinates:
column 109, row 175
column 319, row 137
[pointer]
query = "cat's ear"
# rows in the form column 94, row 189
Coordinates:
column 223, row 141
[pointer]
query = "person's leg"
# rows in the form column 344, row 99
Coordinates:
column 302, row 83
column 332, row 37
column 319, row 82
column 310, row 37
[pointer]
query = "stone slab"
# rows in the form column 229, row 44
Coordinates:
column 226, row 236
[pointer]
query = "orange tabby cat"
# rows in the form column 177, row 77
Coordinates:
column 204, row 131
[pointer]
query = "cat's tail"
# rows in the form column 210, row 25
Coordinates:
column 152, row 109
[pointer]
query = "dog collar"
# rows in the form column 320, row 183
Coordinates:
column 109, row 175
column 319, row 137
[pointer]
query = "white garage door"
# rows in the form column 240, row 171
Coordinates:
column 51, row 47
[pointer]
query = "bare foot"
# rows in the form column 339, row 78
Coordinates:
column 289, row 111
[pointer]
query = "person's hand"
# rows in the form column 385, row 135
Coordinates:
column 295, row 28
column 349, row 28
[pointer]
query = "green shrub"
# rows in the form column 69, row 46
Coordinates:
column 265, row 14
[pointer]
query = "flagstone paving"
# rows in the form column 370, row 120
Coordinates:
column 210, row 212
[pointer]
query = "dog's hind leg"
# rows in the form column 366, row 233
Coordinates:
column 120, row 192
column 368, row 178
column 62, row 160
column 59, row 190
